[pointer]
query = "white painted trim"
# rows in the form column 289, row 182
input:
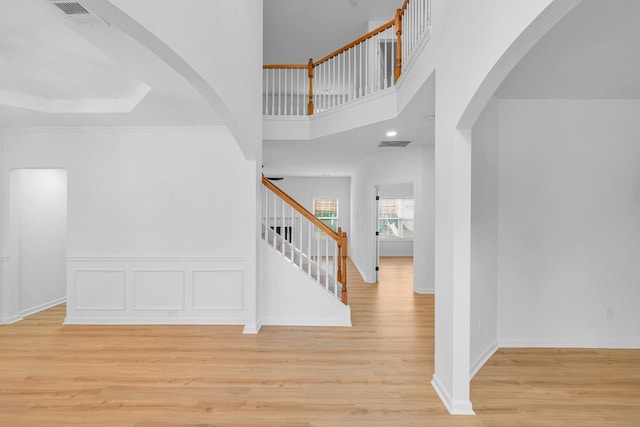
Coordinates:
column 151, row 321
column 155, row 259
column 4, row 258
column 61, row 105
column 13, row 319
column 460, row 407
column 130, row 312
column 429, row 291
column 289, row 321
column 622, row 345
column 483, row 358
column 41, row 307
column 251, row 329
column 37, row 130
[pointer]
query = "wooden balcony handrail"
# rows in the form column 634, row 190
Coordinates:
column 284, row 66
column 346, row 47
column 362, row 88
column 343, row 49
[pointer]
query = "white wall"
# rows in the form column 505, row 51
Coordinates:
column 484, row 236
column 222, row 42
column 410, row 165
column 569, row 235
column 305, row 189
column 157, row 221
column 39, row 199
column 292, row 298
column 3, row 236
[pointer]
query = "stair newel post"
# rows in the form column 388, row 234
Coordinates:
column 398, row 27
column 339, row 256
column 310, row 73
column 343, row 255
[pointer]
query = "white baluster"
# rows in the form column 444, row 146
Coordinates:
column 273, row 91
column 361, row 85
column 291, row 241
column 285, row 78
column 326, row 262
column 308, row 246
column 275, row 215
column 298, row 93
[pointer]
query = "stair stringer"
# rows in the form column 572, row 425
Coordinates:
column 289, row 297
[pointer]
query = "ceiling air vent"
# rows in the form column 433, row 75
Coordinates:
column 394, row 144
column 72, row 8
column 77, row 13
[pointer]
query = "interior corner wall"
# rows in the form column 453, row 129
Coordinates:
column 409, row 165
column 305, row 189
column 569, row 234
column 3, row 234
column 40, row 215
column 484, row 236
column 155, row 220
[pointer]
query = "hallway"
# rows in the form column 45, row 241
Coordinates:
column 376, row 373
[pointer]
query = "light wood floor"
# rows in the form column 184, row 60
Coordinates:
column 374, row 374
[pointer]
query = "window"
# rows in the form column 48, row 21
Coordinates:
column 326, row 210
column 395, row 218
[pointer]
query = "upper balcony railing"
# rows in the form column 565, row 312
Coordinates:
column 363, row 67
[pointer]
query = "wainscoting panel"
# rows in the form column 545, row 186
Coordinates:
column 150, row 290
column 99, row 289
column 218, row 290
column 158, row 290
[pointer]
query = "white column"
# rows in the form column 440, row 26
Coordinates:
column 452, row 268
column 251, row 236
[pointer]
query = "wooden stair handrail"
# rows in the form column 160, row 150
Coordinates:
column 301, row 209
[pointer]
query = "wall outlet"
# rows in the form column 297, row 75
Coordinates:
column 610, row 313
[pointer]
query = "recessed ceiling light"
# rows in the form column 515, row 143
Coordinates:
column 392, row 133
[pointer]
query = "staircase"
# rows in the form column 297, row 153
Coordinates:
column 304, row 241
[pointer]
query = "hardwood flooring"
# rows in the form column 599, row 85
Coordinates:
column 376, row 373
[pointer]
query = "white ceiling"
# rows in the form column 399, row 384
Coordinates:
column 37, row 49
column 53, row 74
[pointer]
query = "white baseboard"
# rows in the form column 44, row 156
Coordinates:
column 281, row 321
column 622, row 345
column 150, row 321
column 455, row 407
column 424, row 291
column 364, row 276
column 483, row 358
column 41, row 307
column 10, row 320
column 251, row 329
